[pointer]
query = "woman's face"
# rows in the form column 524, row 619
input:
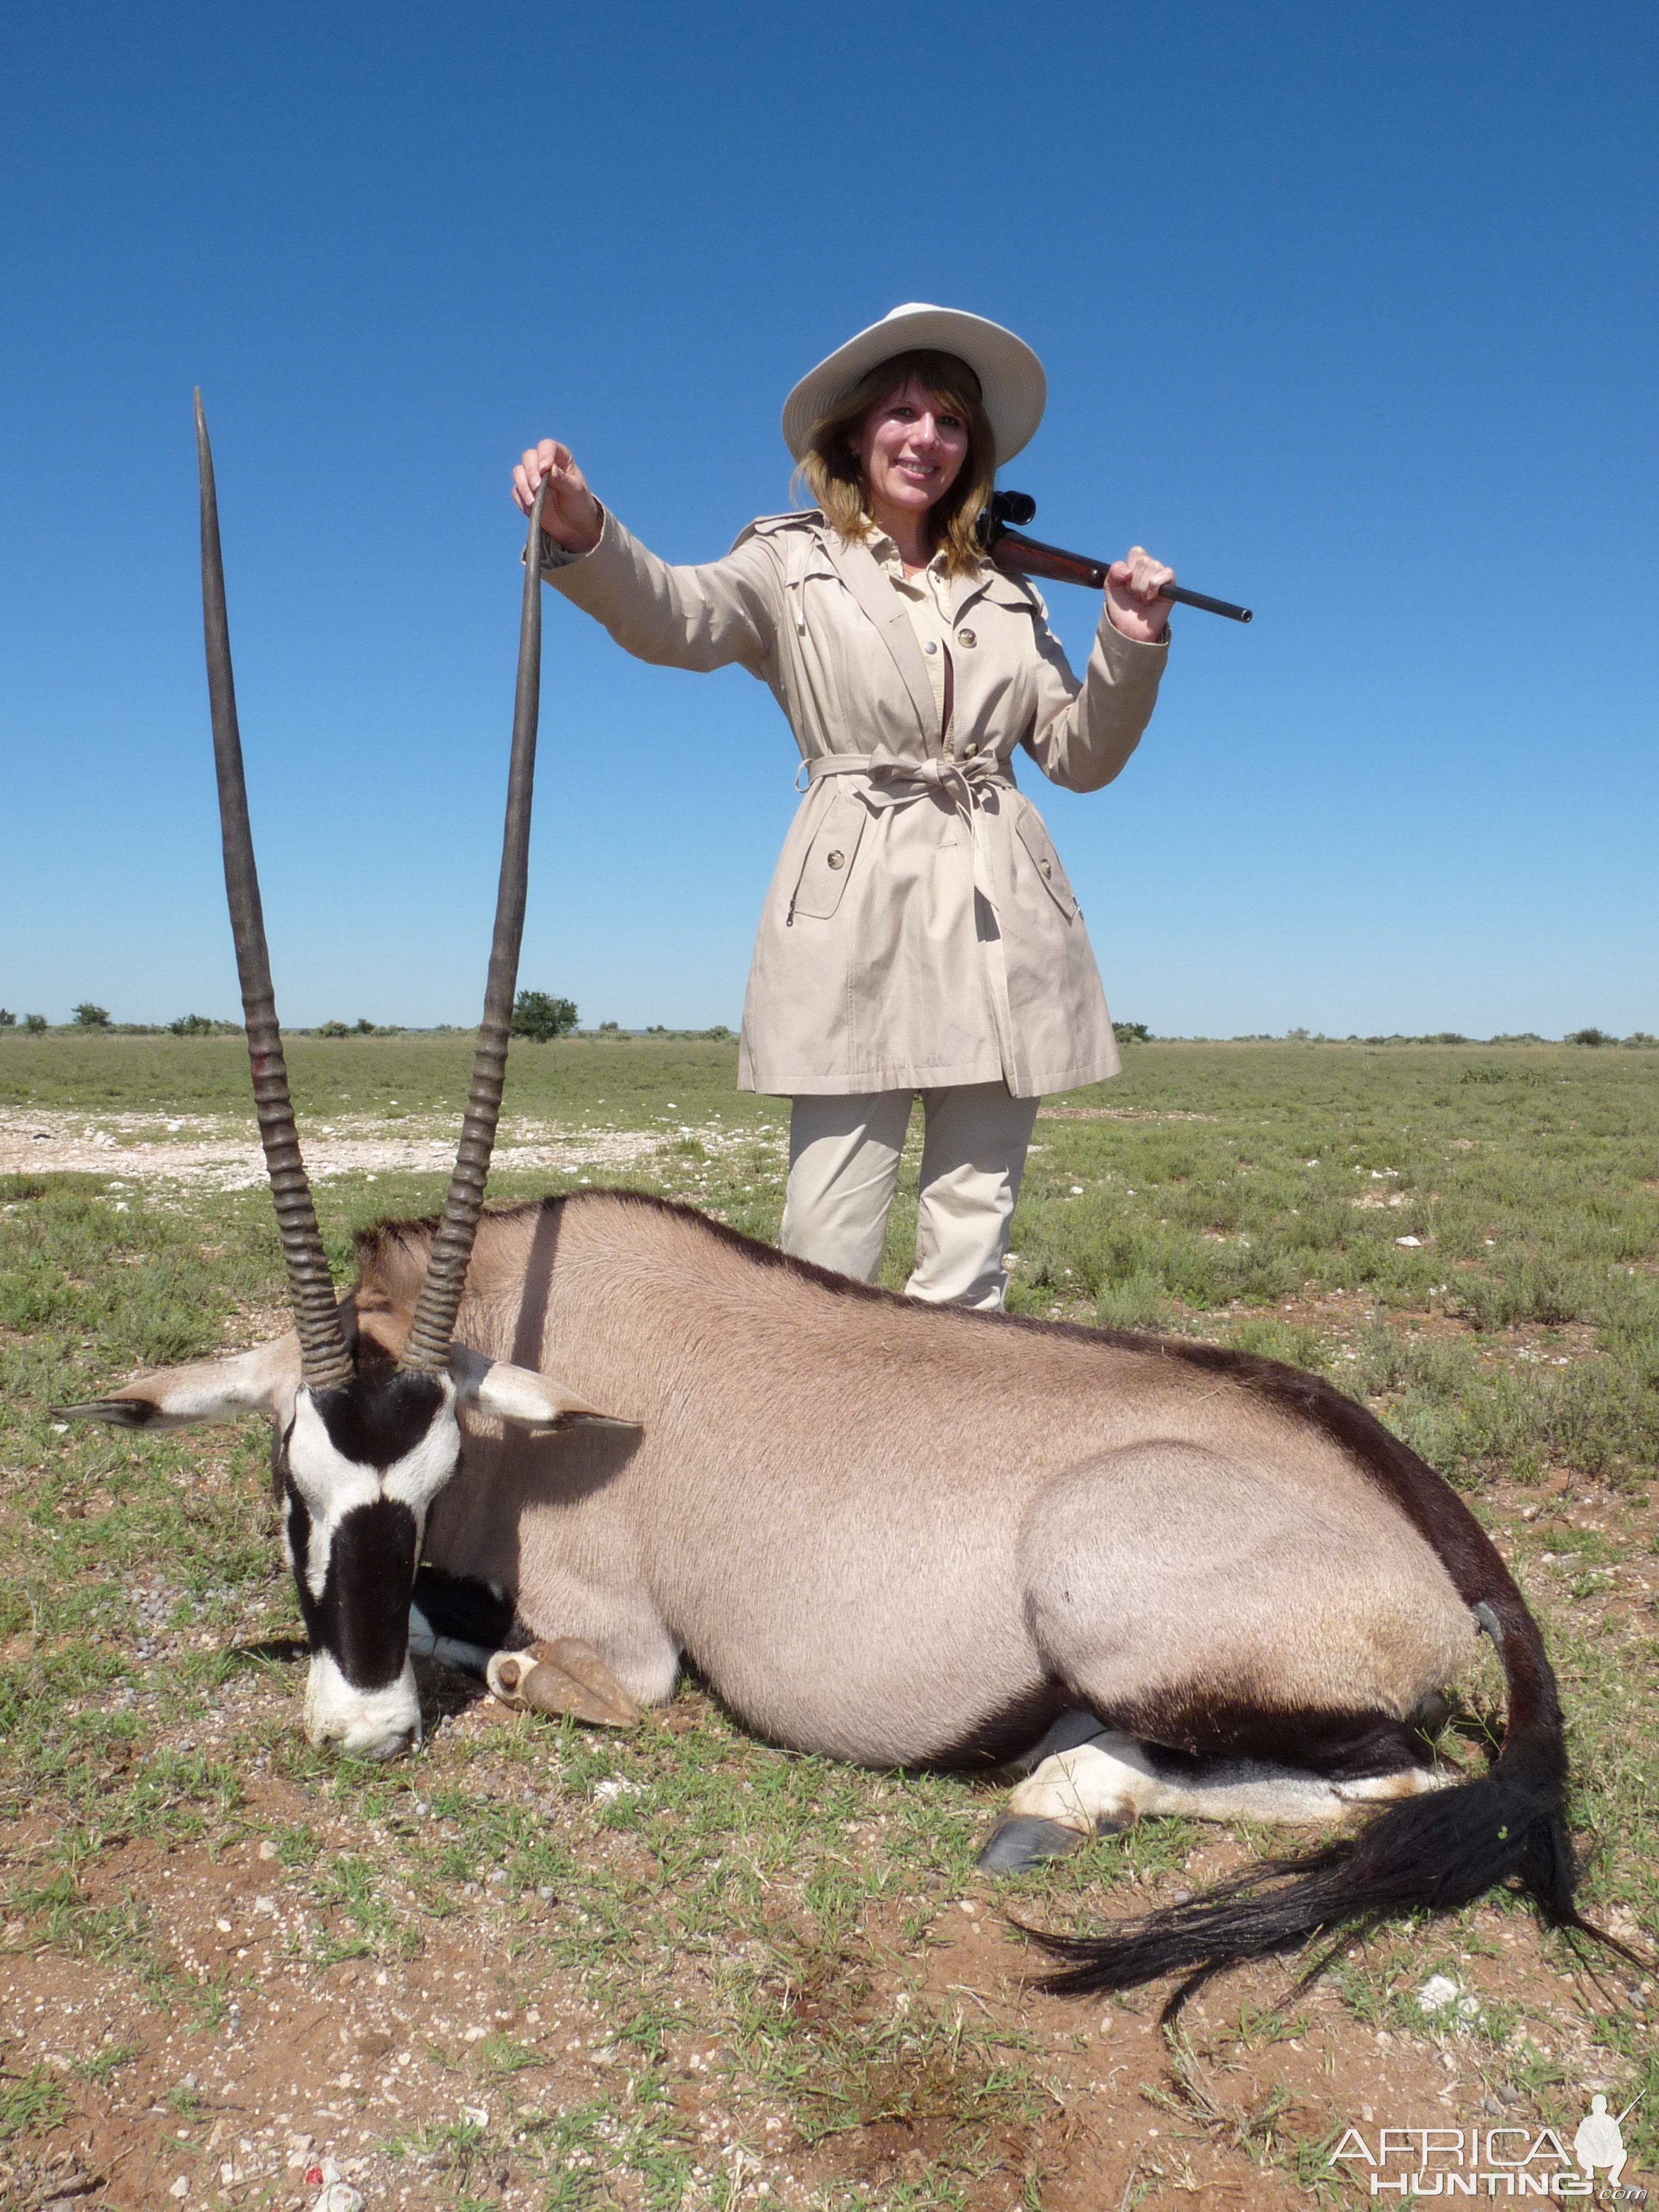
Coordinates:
column 912, row 449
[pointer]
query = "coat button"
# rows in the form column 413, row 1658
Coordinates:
column 838, row 859
column 930, row 647
column 1042, row 865
column 966, row 637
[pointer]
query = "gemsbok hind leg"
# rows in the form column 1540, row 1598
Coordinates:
column 1248, row 1656
column 1112, row 1780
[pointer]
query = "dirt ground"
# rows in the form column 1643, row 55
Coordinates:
column 318, row 2074
column 218, row 1153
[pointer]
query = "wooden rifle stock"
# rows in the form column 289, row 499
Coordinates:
column 1019, row 555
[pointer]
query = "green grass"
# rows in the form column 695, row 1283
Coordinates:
column 781, row 1911
column 576, row 1081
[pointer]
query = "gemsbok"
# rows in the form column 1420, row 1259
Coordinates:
column 1156, row 1576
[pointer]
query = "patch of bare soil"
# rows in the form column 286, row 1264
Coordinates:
column 1118, row 1113
column 316, row 2073
column 208, row 1153
column 311, row 2070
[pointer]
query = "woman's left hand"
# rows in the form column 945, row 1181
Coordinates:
column 1132, row 588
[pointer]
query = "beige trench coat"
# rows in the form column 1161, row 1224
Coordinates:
column 919, row 930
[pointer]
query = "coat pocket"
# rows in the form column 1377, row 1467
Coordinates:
column 829, row 858
column 1034, row 838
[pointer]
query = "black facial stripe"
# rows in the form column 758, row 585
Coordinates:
column 299, row 1544
column 376, row 1418
column 361, row 1618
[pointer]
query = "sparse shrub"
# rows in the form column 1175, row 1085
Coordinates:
column 536, row 1014
column 191, row 1025
column 35, row 1024
column 1641, row 1036
column 1131, row 1303
column 1494, row 1071
column 610, row 1029
column 332, row 1030
column 7, row 1019
column 89, row 1016
column 1131, row 1032
column 1588, row 1037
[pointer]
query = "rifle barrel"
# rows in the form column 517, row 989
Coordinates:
column 1186, row 598
column 1029, row 556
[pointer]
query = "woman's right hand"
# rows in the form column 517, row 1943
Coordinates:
column 570, row 513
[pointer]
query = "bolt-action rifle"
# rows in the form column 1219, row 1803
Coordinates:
column 1020, row 556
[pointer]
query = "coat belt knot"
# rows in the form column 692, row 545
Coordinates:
column 895, row 780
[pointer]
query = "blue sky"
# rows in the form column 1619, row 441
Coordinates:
column 1350, row 313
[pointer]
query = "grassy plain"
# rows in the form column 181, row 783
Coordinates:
column 537, row 1966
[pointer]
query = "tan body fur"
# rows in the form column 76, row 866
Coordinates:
column 894, row 1534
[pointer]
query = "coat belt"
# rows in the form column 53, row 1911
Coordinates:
column 896, row 781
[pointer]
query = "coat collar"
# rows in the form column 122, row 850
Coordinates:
column 861, row 573
column 1003, row 591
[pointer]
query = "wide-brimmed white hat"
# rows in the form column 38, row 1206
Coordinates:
column 1010, row 377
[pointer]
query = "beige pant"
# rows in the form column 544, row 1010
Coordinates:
column 844, row 1169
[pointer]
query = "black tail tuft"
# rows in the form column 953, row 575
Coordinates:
column 1427, row 1854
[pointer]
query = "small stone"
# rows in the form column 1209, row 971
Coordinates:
column 267, row 1849
column 180, row 2188
column 340, row 2196
column 1436, row 1993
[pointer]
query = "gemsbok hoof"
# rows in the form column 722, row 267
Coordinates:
column 1019, row 1842
column 564, row 1676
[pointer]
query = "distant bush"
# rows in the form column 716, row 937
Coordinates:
column 536, row 1014
column 89, row 1016
column 333, row 1029
column 1520, row 1037
column 1641, row 1036
column 7, row 1019
column 1131, row 1032
column 194, row 1025
column 35, row 1024
column 1494, row 1071
column 1588, row 1037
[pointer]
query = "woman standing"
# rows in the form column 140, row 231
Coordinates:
column 920, row 933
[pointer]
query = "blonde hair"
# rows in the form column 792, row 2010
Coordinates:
column 834, row 474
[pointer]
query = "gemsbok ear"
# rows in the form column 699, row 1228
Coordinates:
column 522, row 1397
column 263, row 1381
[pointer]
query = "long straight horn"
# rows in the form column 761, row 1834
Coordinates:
column 325, row 1360
column 427, row 1348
